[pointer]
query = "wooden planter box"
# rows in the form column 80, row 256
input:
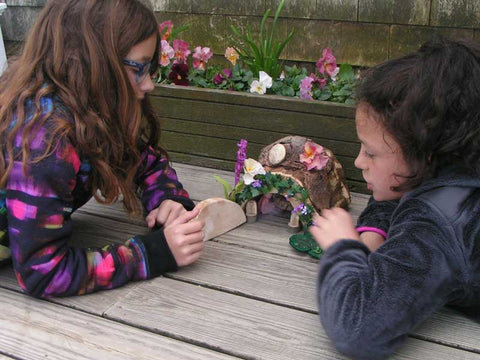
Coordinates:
column 203, row 126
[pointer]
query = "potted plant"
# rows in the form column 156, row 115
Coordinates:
column 206, row 108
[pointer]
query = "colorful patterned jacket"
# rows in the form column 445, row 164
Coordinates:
column 35, row 219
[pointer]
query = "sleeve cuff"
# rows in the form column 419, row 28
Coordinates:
column 159, row 256
column 187, row 203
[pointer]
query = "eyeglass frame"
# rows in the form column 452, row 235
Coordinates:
column 142, row 72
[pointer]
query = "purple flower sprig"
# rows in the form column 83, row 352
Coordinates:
column 257, row 184
column 241, row 156
column 301, row 208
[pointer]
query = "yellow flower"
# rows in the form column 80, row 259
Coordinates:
column 231, row 55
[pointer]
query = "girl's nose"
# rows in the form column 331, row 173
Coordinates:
column 359, row 163
column 147, row 85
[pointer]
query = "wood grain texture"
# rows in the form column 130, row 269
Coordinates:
column 292, row 282
column 36, row 329
column 250, row 296
column 4, row 357
column 252, row 100
column 241, row 326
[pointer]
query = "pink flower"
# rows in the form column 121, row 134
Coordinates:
column 224, row 74
column 313, row 156
column 306, row 88
column 166, row 53
column 165, row 29
column 201, row 56
column 327, row 64
column 181, row 50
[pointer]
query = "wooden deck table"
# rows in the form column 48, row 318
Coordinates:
column 250, row 296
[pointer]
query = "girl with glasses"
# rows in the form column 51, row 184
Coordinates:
column 76, row 122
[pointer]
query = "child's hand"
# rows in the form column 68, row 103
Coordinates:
column 333, row 225
column 185, row 238
column 168, row 211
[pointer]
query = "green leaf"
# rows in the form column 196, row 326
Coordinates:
column 227, row 188
column 288, row 91
column 254, row 192
column 346, row 72
column 326, row 94
column 342, row 92
column 350, row 102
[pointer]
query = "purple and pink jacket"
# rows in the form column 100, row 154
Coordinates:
column 35, row 218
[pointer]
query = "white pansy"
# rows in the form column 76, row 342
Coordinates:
column 335, row 73
column 251, row 168
column 260, row 86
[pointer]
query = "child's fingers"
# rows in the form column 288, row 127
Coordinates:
column 174, row 213
column 185, row 217
column 192, row 257
column 196, row 245
column 316, row 233
column 151, row 218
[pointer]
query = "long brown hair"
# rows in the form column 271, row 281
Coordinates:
column 74, row 51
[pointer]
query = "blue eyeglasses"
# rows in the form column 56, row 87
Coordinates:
column 143, row 70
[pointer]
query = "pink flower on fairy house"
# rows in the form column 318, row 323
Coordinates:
column 313, row 156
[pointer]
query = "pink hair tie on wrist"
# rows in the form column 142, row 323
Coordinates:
column 372, row 229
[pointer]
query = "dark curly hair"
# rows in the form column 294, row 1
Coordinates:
column 429, row 101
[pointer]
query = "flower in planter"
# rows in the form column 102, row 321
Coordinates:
column 327, row 64
column 179, row 74
column 260, row 86
column 181, row 49
column 329, row 82
column 306, row 86
column 222, row 76
column 232, row 55
column 201, row 56
column 165, row 29
column 166, row 53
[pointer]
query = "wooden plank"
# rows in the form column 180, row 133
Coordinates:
column 257, row 274
column 291, row 122
column 4, row 357
column 257, row 266
column 261, row 137
column 38, row 329
column 291, row 283
column 453, row 328
column 241, row 326
column 252, row 100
